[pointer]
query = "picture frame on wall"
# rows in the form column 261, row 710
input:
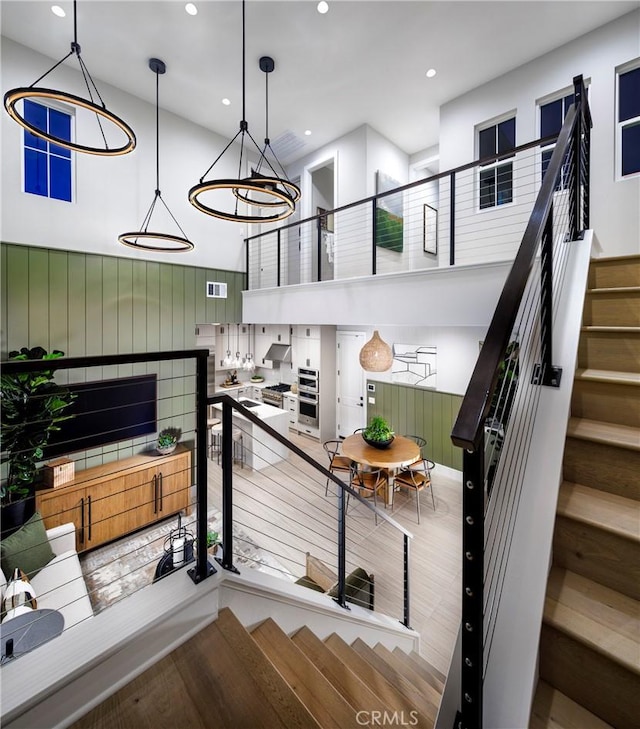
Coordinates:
column 389, row 214
column 430, row 236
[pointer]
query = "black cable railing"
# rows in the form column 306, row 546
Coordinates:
column 497, row 416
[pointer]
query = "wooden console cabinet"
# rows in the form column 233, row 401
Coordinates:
column 108, row 501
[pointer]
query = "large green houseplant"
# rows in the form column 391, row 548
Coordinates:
column 378, row 433
column 32, row 406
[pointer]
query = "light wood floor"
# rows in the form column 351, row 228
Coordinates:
column 285, row 511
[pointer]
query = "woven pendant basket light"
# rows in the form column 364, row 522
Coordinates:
column 376, row 355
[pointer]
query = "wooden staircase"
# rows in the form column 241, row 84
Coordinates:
column 590, row 640
column 229, row 677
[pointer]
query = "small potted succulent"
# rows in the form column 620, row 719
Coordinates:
column 378, row 433
column 168, row 440
column 213, row 542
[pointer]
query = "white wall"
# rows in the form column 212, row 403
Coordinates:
column 113, row 194
column 457, row 351
column 615, row 209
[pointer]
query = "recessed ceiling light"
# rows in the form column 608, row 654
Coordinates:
column 431, row 73
column 323, row 7
column 191, row 9
column 57, row 10
column 226, row 101
column 307, row 132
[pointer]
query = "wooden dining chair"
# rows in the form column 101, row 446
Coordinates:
column 417, row 478
column 370, row 481
column 419, row 441
column 337, row 462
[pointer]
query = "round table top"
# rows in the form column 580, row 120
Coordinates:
column 402, row 452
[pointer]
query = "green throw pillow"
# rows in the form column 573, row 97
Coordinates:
column 28, row 548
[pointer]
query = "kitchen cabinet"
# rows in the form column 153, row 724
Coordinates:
column 290, row 404
column 306, row 348
column 265, row 336
column 108, row 501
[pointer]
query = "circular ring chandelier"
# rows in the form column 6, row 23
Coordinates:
column 275, row 191
column 144, row 239
column 13, row 96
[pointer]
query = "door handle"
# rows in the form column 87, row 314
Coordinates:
column 161, row 494
column 89, row 508
column 82, row 520
column 155, row 493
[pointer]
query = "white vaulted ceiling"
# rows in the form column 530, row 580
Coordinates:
column 362, row 62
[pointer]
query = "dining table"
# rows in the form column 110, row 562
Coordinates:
column 401, row 452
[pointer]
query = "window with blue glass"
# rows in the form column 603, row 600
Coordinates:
column 496, row 177
column 47, row 166
column 552, row 115
column 629, row 122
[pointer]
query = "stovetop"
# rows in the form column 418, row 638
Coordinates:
column 280, row 387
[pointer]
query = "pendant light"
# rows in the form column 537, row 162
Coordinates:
column 267, row 65
column 13, row 96
column 249, row 365
column 277, row 195
column 144, row 239
column 228, row 361
column 376, row 355
column 237, row 362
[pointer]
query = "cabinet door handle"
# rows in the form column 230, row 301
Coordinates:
column 89, row 509
column 82, row 520
column 155, row 493
column 161, row 494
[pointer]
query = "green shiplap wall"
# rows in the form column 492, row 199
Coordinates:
column 416, row 411
column 86, row 304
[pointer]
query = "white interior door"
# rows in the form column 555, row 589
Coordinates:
column 350, row 384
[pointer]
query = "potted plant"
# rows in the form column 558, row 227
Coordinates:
column 33, row 405
column 378, row 433
column 168, row 440
column 213, row 541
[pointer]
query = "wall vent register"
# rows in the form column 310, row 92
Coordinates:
column 216, row 290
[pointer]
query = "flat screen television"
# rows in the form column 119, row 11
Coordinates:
column 106, row 411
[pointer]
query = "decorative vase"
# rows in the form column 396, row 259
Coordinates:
column 381, row 444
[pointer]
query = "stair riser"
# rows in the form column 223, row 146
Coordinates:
column 598, row 555
column 590, row 679
column 618, row 351
column 612, row 309
column 605, row 467
column 607, row 402
column 614, row 273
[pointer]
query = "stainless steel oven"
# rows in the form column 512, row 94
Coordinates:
column 308, row 380
column 308, row 408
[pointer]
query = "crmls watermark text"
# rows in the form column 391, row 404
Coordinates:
column 387, row 718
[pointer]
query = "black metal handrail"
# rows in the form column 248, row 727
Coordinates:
column 469, row 429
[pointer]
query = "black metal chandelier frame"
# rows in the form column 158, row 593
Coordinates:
column 278, row 192
column 142, row 239
column 13, row 96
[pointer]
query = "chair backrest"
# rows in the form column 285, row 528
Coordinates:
column 332, row 448
column 358, row 471
column 419, row 441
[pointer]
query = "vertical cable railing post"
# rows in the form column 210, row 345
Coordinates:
column 406, row 622
column 227, row 488
column 472, row 587
column 545, row 373
column 319, row 247
column 342, row 550
column 278, row 254
column 203, row 568
column 452, row 220
column 374, row 234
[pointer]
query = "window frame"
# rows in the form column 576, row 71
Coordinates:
column 70, row 112
column 619, row 126
column 505, row 159
column 560, row 95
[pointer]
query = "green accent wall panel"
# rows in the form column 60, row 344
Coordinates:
column 93, row 306
column 139, row 306
column 16, row 335
column 76, row 304
column 58, row 300
column 39, row 298
column 417, row 411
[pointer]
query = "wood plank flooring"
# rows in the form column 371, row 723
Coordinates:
column 285, row 511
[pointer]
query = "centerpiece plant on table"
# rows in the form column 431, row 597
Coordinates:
column 378, row 433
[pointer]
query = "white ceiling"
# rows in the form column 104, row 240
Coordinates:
column 362, row 62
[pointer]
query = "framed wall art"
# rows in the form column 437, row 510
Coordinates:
column 389, row 214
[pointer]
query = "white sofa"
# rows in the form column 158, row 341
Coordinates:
column 60, row 584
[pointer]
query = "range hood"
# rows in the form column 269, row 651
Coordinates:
column 279, row 353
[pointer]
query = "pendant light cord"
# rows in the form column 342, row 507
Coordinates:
column 157, row 133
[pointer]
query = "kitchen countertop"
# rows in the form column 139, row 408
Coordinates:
column 264, row 411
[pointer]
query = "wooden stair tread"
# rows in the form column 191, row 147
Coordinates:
column 422, row 668
column 426, row 701
column 352, row 688
column 390, row 695
column 610, row 376
column 610, row 512
column 553, row 710
column 615, row 290
column 415, row 656
column 277, row 692
column 603, row 619
column 611, row 329
column 323, row 701
column 624, row 436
